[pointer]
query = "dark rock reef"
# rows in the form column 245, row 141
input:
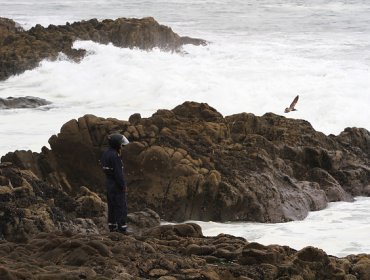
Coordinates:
column 8, row 27
column 29, row 206
column 23, row 50
column 47, row 234
column 193, row 163
column 170, row 253
column 22, row 102
column 185, row 163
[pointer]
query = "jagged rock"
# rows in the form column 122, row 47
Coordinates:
column 191, row 163
column 23, row 212
column 23, row 50
column 361, row 268
column 8, row 26
column 142, row 220
column 356, row 139
column 29, row 206
column 57, row 243
column 79, row 226
column 22, row 102
column 90, row 204
column 167, row 257
column 135, row 119
column 182, row 230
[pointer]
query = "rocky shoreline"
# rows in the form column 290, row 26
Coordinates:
column 170, row 253
column 185, row 163
column 188, row 163
column 22, row 50
column 191, row 163
column 49, row 234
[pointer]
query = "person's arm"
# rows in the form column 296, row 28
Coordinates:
column 118, row 173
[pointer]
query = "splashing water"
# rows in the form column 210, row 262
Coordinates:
column 262, row 54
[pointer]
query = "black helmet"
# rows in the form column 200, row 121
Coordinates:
column 117, row 140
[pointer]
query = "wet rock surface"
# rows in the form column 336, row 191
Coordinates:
column 22, row 102
column 191, row 163
column 167, row 253
column 185, row 163
column 30, row 206
column 23, row 50
column 48, row 234
column 9, row 26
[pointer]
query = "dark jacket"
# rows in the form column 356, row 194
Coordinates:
column 113, row 167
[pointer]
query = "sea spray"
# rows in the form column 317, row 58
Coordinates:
column 233, row 78
column 340, row 230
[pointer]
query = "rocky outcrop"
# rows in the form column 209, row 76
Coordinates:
column 142, row 220
column 193, row 163
column 167, row 253
column 23, row 50
column 29, row 206
column 186, row 163
column 22, row 102
column 47, row 234
column 8, row 27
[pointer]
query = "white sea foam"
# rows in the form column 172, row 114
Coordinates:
column 340, row 230
column 234, row 78
column 263, row 53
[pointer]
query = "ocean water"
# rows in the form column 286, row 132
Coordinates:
column 340, row 230
column 262, row 53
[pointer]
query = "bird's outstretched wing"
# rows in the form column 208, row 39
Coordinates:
column 294, row 102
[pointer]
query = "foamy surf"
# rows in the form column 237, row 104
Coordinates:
column 235, row 78
column 340, row 230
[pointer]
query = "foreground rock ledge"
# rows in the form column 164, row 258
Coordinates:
column 191, row 163
column 47, row 234
column 23, row 50
column 170, row 253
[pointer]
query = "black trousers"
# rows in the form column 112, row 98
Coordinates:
column 117, row 205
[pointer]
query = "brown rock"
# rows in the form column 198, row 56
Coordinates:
column 200, row 250
column 90, row 204
column 135, row 119
column 191, row 163
column 22, row 50
column 255, row 256
column 142, row 220
column 182, row 230
column 118, row 256
column 361, row 267
column 8, row 27
column 311, row 254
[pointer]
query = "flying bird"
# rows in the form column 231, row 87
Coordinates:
column 291, row 107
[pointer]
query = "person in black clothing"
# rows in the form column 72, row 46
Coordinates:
column 115, row 182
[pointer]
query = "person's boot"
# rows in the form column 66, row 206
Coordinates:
column 112, row 227
column 122, row 228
